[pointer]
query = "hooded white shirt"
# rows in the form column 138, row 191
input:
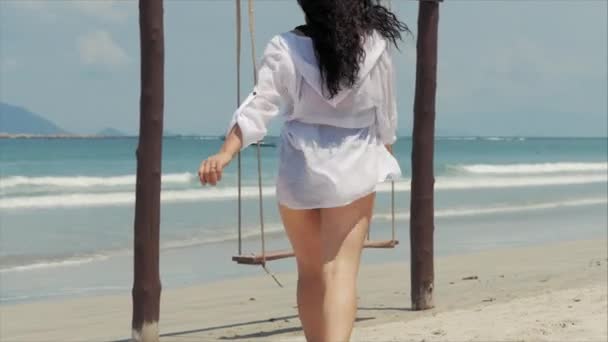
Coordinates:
column 332, row 150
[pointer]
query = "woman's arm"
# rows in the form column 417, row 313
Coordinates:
column 233, row 142
column 387, row 115
column 211, row 168
column 250, row 121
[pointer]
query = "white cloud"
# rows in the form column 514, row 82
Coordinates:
column 97, row 48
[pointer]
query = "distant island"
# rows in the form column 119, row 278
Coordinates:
column 17, row 121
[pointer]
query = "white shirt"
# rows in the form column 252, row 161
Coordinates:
column 332, row 150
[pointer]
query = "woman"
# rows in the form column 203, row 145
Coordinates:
column 332, row 81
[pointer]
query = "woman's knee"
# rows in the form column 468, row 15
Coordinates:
column 328, row 271
column 337, row 269
column 310, row 269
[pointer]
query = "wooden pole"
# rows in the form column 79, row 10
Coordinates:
column 146, row 285
column 423, row 136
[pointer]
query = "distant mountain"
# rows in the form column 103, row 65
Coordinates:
column 18, row 120
column 111, row 132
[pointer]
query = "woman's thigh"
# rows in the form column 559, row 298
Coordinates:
column 343, row 230
column 304, row 232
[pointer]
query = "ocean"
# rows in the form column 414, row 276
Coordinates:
column 66, row 208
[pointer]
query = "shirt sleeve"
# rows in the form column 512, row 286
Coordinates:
column 269, row 96
column 387, row 116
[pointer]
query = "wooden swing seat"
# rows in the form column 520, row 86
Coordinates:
column 258, row 259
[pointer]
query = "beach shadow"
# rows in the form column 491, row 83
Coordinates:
column 263, row 334
column 219, row 327
column 260, row 334
column 386, row 308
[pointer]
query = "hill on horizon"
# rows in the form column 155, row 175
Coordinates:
column 18, row 120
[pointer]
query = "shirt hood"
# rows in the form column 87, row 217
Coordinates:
column 302, row 52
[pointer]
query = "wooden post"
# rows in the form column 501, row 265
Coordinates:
column 146, row 285
column 423, row 136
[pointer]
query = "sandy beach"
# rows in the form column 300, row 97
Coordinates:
column 577, row 314
column 554, row 292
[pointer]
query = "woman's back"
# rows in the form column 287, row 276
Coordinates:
column 290, row 84
column 353, row 107
column 332, row 148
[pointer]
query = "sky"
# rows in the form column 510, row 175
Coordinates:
column 510, row 67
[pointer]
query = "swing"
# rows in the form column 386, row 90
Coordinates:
column 264, row 256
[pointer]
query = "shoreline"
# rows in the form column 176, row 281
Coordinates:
column 180, row 269
column 253, row 308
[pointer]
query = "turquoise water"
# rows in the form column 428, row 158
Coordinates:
column 66, row 207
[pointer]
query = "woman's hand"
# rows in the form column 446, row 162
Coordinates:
column 211, row 168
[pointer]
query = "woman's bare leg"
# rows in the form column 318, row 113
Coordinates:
column 343, row 232
column 304, row 233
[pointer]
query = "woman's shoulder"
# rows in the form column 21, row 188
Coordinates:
column 288, row 44
column 283, row 39
column 295, row 36
column 276, row 45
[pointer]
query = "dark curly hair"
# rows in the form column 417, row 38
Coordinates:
column 338, row 29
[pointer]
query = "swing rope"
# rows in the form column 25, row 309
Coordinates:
column 389, row 4
column 238, row 103
column 251, row 17
column 258, row 147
